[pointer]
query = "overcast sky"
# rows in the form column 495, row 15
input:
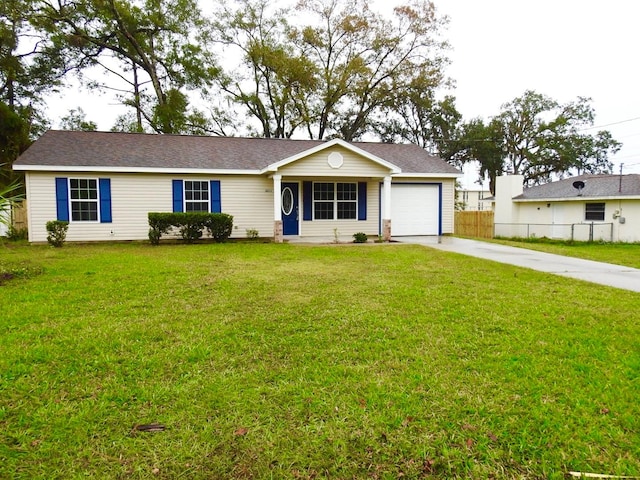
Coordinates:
column 501, row 48
column 560, row 48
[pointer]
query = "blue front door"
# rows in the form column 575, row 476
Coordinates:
column 289, row 203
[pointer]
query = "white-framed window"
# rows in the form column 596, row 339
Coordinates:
column 335, row 201
column 83, row 198
column 594, row 212
column 196, row 196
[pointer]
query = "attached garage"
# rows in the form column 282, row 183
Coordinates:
column 416, row 209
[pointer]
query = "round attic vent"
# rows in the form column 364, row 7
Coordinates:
column 335, row 160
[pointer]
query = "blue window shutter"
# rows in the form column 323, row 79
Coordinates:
column 216, row 203
column 177, row 195
column 62, row 199
column 362, row 200
column 307, row 200
column 105, row 200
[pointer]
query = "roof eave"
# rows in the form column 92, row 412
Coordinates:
column 428, row 175
column 93, row 169
column 575, row 199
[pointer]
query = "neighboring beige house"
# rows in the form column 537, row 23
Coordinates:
column 472, row 199
column 105, row 184
column 586, row 207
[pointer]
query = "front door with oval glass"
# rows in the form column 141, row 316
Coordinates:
column 289, row 203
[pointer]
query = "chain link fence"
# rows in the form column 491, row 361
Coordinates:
column 585, row 232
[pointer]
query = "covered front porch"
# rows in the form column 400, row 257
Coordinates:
column 331, row 207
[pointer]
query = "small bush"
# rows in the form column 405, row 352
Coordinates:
column 253, row 234
column 16, row 234
column 220, row 226
column 159, row 224
column 57, row 232
column 360, row 237
column 191, row 225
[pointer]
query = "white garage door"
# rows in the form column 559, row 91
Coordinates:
column 415, row 209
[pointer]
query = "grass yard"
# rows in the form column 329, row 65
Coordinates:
column 293, row 361
column 626, row 254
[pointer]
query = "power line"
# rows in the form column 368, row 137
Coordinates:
column 627, row 136
column 621, row 157
column 612, row 123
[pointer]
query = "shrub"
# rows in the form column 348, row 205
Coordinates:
column 16, row 234
column 191, row 225
column 360, row 237
column 220, row 226
column 57, row 232
column 159, row 224
column 253, row 234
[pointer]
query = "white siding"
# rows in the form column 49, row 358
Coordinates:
column 629, row 210
column 41, row 195
column 448, row 205
column 317, row 165
column 250, row 200
column 133, row 196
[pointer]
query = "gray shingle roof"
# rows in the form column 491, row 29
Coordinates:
column 134, row 150
column 594, row 186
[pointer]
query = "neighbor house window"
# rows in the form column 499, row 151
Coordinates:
column 83, row 193
column 196, row 196
column 335, row 201
column 594, row 212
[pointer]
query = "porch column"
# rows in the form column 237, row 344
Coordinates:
column 386, row 215
column 278, row 236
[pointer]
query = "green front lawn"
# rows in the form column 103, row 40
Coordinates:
column 291, row 361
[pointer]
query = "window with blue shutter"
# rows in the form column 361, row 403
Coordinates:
column 83, row 199
column 334, row 201
column 196, row 196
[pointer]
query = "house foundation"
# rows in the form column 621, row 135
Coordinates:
column 386, row 230
column 278, row 235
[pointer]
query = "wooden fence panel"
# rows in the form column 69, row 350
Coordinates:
column 474, row 224
column 19, row 215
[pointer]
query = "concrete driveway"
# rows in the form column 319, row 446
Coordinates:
column 617, row 276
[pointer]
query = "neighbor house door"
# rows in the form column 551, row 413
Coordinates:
column 557, row 228
column 289, row 202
